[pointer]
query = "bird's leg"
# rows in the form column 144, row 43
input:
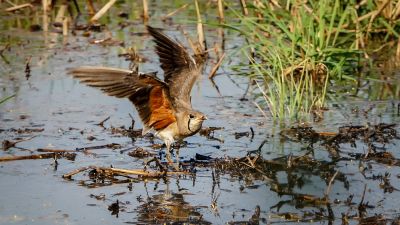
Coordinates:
column 154, row 159
column 168, row 152
column 169, row 159
column 158, row 163
column 177, row 157
column 146, row 163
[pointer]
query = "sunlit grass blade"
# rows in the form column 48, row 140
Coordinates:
column 6, row 98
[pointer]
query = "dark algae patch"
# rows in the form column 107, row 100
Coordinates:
column 71, row 155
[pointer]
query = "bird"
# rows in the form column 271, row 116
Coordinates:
column 164, row 106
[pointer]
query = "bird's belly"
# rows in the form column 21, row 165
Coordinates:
column 170, row 133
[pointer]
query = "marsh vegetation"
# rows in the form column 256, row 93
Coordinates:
column 302, row 99
column 302, row 54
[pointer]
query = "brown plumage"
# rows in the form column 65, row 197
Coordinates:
column 162, row 114
column 163, row 106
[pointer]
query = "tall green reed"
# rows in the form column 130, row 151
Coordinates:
column 296, row 49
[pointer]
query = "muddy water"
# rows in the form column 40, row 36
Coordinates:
column 63, row 114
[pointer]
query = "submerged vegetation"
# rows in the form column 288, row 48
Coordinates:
column 299, row 50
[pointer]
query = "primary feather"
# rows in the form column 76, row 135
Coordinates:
column 180, row 69
column 146, row 92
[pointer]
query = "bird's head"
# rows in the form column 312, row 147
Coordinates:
column 194, row 120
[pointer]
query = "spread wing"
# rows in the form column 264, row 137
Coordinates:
column 180, row 69
column 148, row 94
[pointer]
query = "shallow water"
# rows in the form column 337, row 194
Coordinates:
column 34, row 192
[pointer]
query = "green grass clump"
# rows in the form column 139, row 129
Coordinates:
column 295, row 49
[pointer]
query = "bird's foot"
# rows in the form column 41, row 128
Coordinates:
column 175, row 165
column 158, row 163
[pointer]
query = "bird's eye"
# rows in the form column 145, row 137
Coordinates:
column 191, row 116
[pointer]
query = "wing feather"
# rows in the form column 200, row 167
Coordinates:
column 148, row 94
column 180, row 69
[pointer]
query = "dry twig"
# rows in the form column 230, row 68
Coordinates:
column 145, row 11
column 124, row 172
column 200, row 30
column 215, row 68
column 103, row 10
column 328, row 189
column 221, row 11
column 174, row 12
column 14, row 8
column 54, row 150
column 103, row 121
column 71, row 156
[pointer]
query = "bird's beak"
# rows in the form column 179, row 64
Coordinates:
column 204, row 118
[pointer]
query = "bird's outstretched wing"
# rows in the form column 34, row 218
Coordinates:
column 149, row 94
column 180, row 69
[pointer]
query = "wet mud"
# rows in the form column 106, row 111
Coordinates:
column 73, row 155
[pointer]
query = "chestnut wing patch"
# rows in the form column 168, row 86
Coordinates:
column 153, row 104
column 161, row 113
column 149, row 95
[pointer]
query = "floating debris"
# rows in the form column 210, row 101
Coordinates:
column 141, row 153
column 25, row 130
column 114, row 208
column 241, row 134
column 6, row 144
column 111, row 146
column 69, row 156
column 111, row 172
